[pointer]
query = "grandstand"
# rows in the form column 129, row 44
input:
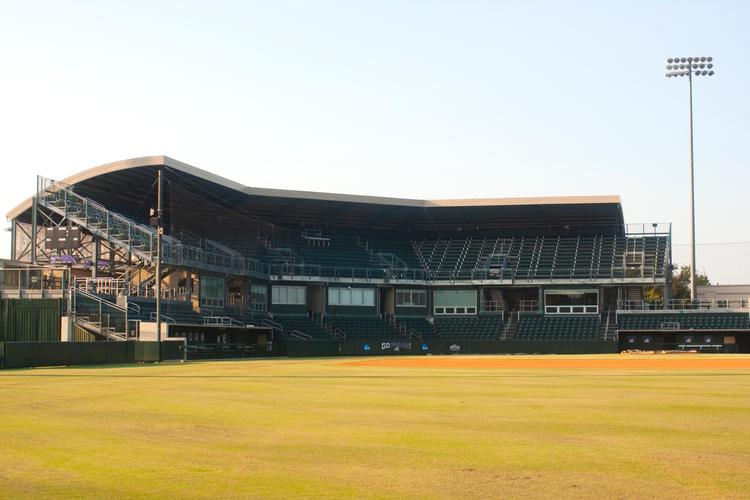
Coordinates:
column 346, row 269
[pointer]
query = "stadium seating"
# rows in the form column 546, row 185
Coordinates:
column 180, row 312
column 468, row 327
column 361, row 327
column 541, row 257
column 545, row 327
column 684, row 321
column 301, row 323
column 421, row 326
column 400, row 248
column 450, row 328
column 465, row 257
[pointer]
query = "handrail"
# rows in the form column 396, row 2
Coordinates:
column 273, row 325
column 107, row 285
column 492, row 306
column 175, row 252
column 606, row 327
column 685, row 305
column 528, row 305
column 99, row 299
column 221, row 320
column 164, row 318
column 105, row 316
column 301, row 335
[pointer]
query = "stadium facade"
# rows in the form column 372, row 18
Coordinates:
column 363, row 274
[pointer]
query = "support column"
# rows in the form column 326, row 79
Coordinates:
column 13, row 230
column 34, row 208
column 97, row 256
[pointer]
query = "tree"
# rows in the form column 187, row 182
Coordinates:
column 681, row 282
column 680, row 285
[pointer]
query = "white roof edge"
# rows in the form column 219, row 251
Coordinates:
column 148, row 161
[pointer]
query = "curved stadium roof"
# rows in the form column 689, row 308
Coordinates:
column 195, row 199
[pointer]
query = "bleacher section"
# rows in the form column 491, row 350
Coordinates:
column 683, row 321
column 420, row 326
column 402, row 249
column 470, row 257
column 449, row 328
column 244, row 317
column 301, row 323
column 544, row 327
column 180, row 312
column 334, row 251
column 246, row 244
column 468, row 327
column 365, row 327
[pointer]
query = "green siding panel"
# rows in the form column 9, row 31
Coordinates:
column 31, row 320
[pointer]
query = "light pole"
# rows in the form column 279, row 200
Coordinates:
column 691, row 66
column 159, row 233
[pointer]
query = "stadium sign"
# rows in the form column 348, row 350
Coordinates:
column 395, row 346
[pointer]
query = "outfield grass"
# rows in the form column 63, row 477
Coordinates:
column 321, row 427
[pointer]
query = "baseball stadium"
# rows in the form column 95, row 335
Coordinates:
column 280, row 343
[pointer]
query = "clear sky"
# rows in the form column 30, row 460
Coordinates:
column 418, row 99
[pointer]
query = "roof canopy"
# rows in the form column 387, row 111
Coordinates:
column 196, row 199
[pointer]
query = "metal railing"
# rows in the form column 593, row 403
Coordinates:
column 649, row 229
column 164, row 318
column 685, row 305
column 93, row 312
column 297, row 334
column 492, row 306
column 122, row 231
column 106, row 286
column 137, row 238
column 528, row 305
column 222, row 321
column 314, row 271
column 273, row 325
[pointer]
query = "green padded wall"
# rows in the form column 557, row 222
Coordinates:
column 31, row 320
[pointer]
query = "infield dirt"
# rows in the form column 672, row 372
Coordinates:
column 625, row 362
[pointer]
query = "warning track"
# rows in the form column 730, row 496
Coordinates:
column 625, row 362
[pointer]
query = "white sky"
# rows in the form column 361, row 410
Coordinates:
column 422, row 99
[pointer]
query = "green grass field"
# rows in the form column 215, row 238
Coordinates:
column 320, row 427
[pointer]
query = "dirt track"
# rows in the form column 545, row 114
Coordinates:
column 681, row 362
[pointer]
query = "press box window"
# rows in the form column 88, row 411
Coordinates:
column 212, row 291
column 288, row 295
column 258, row 297
column 571, row 301
column 411, row 298
column 351, row 297
column 455, row 302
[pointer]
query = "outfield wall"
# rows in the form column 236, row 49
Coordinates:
column 391, row 347
column 32, row 354
column 31, row 320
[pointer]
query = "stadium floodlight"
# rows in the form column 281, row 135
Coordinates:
column 690, row 67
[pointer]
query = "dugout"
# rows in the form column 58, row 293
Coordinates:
column 216, row 342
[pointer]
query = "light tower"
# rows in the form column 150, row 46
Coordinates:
column 691, row 66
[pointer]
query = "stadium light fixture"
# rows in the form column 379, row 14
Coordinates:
column 690, row 67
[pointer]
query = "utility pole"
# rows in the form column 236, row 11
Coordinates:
column 157, row 285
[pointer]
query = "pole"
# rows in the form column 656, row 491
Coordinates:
column 692, row 195
column 157, row 281
column 34, row 209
